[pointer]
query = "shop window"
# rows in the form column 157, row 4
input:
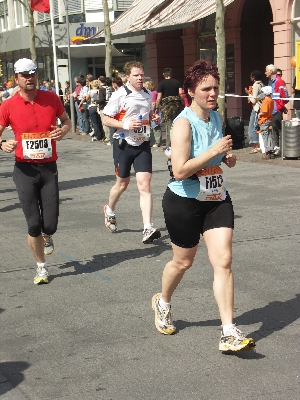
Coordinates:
column 122, row 4
column 296, row 10
column 207, row 39
column 4, row 24
column 21, row 18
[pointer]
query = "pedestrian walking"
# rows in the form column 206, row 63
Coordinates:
column 32, row 113
column 196, row 202
column 129, row 111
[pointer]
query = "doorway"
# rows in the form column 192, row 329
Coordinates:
column 257, row 43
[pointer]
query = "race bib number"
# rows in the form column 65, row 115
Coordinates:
column 36, row 145
column 212, row 184
column 142, row 134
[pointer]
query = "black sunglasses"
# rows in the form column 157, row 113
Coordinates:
column 27, row 73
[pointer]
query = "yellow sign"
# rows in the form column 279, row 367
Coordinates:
column 297, row 72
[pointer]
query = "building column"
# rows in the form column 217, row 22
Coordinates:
column 164, row 50
column 190, row 46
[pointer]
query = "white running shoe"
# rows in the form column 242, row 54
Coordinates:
column 110, row 220
column 150, row 234
column 41, row 275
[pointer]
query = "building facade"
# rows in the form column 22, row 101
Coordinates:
column 258, row 32
column 85, row 19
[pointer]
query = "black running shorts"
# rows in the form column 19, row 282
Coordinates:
column 37, row 187
column 138, row 156
column 187, row 218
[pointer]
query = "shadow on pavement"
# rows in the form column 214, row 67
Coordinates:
column 12, row 371
column 100, row 262
column 273, row 317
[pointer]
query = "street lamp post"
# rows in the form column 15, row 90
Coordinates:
column 72, row 108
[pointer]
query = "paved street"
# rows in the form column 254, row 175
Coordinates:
column 89, row 334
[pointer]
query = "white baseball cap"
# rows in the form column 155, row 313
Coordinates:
column 267, row 90
column 25, row 66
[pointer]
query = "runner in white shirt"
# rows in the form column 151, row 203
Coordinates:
column 129, row 111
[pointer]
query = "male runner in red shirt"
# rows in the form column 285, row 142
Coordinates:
column 32, row 114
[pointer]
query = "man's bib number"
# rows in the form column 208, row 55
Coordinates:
column 142, row 134
column 36, row 145
column 212, row 184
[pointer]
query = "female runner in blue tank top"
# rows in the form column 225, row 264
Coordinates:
column 197, row 203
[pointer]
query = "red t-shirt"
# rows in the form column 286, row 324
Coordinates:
column 31, row 124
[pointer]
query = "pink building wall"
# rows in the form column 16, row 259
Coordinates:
column 179, row 49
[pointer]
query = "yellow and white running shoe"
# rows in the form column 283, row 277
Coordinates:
column 163, row 318
column 234, row 340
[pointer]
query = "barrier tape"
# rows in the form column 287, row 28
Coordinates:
column 274, row 98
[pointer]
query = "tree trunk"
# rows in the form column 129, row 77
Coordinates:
column 221, row 54
column 31, row 32
column 107, row 34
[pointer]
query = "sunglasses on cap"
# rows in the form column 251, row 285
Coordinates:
column 28, row 73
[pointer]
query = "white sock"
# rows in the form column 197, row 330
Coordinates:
column 163, row 304
column 41, row 265
column 109, row 211
column 147, row 226
column 226, row 328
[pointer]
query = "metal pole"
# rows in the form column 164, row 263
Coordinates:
column 72, row 107
column 54, row 48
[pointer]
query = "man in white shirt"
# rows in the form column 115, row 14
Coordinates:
column 129, row 111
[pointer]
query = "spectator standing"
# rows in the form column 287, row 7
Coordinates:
column 169, row 96
column 265, row 118
column 89, row 80
column 279, row 93
column 78, row 86
column 66, row 98
column 253, row 99
column 8, row 92
column 156, row 129
column 93, row 100
column 296, row 104
column 83, row 108
column 117, row 83
column 43, row 86
column 108, row 131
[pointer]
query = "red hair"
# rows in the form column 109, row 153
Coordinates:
column 196, row 74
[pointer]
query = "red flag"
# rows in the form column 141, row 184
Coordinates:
column 40, row 5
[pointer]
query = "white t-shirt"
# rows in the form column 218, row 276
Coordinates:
column 124, row 107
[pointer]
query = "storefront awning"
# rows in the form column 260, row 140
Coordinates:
column 148, row 16
column 89, row 50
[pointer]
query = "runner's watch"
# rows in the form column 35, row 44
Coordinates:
column 1, row 141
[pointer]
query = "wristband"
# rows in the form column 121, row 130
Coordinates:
column 126, row 125
column 2, row 141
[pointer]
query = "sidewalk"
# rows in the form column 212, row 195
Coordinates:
column 241, row 154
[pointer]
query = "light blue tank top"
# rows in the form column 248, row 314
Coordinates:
column 204, row 136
